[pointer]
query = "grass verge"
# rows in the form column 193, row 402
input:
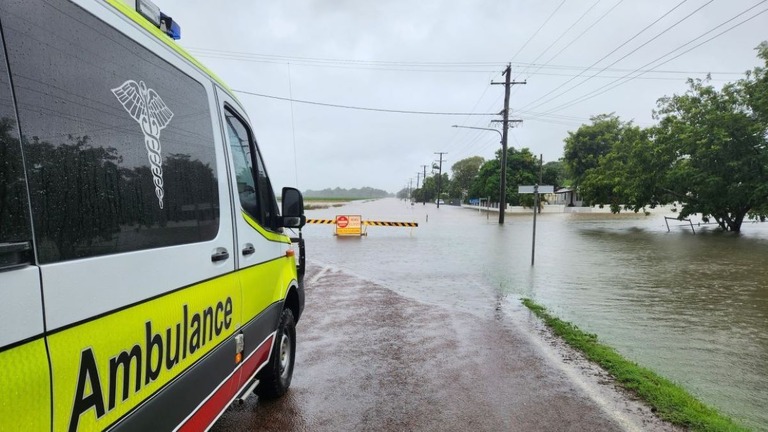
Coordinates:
column 670, row 401
column 331, row 199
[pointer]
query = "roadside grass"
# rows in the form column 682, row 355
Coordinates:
column 329, row 199
column 668, row 400
column 324, row 203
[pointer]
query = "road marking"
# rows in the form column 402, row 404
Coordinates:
column 320, row 274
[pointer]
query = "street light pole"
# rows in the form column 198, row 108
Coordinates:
column 502, row 186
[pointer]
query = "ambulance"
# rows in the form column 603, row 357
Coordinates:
column 148, row 276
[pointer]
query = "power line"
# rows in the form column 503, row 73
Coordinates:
column 609, row 54
column 427, row 67
column 627, row 54
column 539, row 29
column 578, row 20
column 362, row 108
column 616, row 83
column 579, row 36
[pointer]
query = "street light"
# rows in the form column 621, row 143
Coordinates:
column 503, row 182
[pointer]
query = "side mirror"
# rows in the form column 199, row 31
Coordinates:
column 293, row 208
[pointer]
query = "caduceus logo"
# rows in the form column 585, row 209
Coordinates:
column 146, row 107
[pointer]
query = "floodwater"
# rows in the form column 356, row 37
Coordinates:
column 693, row 308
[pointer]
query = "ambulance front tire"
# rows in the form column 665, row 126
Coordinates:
column 275, row 378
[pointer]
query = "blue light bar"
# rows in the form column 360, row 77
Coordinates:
column 170, row 27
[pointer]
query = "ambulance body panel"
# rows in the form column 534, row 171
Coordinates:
column 143, row 263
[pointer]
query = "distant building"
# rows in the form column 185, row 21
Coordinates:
column 567, row 197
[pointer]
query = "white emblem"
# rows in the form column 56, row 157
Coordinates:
column 146, row 107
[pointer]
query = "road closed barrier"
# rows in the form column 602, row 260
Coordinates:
column 354, row 225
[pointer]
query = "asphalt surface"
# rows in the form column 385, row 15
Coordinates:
column 369, row 359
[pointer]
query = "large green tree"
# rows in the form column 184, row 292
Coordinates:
column 584, row 147
column 720, row 165
column 464, row 172
column 522, row 169
column 554, row 173
column 709, row 153
column 428, row 189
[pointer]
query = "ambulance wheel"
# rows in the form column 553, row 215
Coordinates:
column 276, row 376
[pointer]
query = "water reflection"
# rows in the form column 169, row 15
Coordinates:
column 691, row 307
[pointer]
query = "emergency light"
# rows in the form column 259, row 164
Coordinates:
column 152, row 13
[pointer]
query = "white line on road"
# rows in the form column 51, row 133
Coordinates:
column 320, row 274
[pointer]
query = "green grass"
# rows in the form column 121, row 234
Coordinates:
column 670, row 401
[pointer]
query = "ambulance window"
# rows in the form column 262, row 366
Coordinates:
column 242, row 155
column 118, row 142
column 14, row 211
column 266, row 194
column 256, row 196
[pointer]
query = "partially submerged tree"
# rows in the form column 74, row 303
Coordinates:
column 709, row 153
column 721, row 160
column 584, row 147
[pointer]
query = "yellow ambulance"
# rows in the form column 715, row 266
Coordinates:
column 147, row 275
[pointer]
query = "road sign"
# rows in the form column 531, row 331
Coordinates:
column 543, row 189
column 349, row 225
column 342, row 221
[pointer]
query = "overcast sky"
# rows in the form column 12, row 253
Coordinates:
column 440, row 56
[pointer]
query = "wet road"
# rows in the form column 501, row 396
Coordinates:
column 693, row 308
column 371, row 359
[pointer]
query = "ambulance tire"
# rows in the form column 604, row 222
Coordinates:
column 275, row 378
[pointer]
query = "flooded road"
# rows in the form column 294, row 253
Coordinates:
column 694, row 308
column 369, row 359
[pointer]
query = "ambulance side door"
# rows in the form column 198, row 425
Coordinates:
column 25, row 399
column 260, row 246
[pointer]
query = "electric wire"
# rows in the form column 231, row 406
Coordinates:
column 616, row 83
column 578, row 20
column 609, row 54
column 429, row 67
column 624, row 56
column 539, row 29
column 362, row 108
column 579, row 36
column 293, row 128
column 551, row 15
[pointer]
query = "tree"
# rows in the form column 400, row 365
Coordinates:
column 554, row 173
column 629, row 175
column 721, row 159
column 584, row 147
column 522, row 168
column 486, row 183
column 464, row 172
column 709, row 153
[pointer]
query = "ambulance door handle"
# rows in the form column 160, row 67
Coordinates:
column 248, row 249
column 221, row 254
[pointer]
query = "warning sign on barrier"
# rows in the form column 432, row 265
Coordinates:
column 349, row 225
column 354, row 225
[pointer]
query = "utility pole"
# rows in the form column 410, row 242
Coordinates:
column 439, row 176
column 536, row 207
column 410, row 188
column 424, row 192
column 508, row 83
